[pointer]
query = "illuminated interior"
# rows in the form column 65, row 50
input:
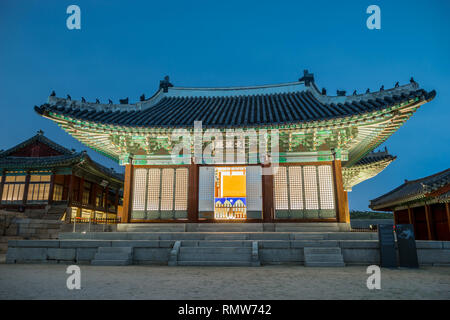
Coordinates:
column 230, row 189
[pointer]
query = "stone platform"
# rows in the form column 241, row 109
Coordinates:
column 206, row 246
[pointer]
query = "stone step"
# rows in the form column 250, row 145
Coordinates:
column 322, row 250
column 110, row 262
column 231, row 236
column 214, row 257
column 113, row 256
column 223, row 243
column 219, row 236
column 307, row 229
column 216, row 263
column 115, row 250
column 155, row 227
column 325, row 258
column 324, row 264
column 215, row 250
column 229, row 227
column 309, row 236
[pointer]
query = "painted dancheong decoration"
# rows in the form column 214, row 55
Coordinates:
column 325, row 146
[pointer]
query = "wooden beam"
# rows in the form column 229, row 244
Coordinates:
column 429, row 222
column 267, row 194
column 127, row 193
column 342, row 212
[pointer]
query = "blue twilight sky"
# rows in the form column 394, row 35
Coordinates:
column 125, row 47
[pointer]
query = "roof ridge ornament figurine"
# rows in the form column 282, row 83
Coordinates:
column 354, row 93
column 83, row 99
column 368, row 90
column 165, row 84
column 308, row 78
column 97, row 101
column 340, row 93
column 53, row 93
column 324, row 91
column 382, row 88
column 142, row 97
column 396, row 85
column 123, row 101
column 110, row 101
column 69, row 97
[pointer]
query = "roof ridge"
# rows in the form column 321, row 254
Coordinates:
column 427, row 177
column 37, row 137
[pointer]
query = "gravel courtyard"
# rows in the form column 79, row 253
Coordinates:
column 32, row 281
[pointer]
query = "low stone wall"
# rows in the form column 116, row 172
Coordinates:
column 355, row 252
column 85, row 227
column 365, row 223
column 32, row 228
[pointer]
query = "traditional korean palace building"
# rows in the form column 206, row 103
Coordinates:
column 273, row 153
column 424, row 203
column 46, row 180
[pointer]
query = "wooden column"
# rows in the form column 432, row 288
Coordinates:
column 81, row 191
column 2, row 185
column 193, row 192
column 27, row 186
column 342, row 212
column 429, row 222
column 106, row 201
column 447, row 209
column 93, row 194
column 395, row 214
column 70, row 191
column 52, row 188
column 69, row 198
column 267, row 195
column 127, row 193
column 410, row 216
column 116, row 202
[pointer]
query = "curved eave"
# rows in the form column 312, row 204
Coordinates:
column 359, row 173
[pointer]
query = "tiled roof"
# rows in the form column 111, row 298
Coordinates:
column 68, row 158
column 40, row 162
column 375, row 157
column 412, row 190
column 281, row 104
column 39, row 137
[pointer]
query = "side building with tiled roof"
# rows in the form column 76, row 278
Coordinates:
column 46, row 180
column 423, row 203
column 270, row 153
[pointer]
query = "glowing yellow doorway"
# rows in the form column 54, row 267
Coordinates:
column 230, row 193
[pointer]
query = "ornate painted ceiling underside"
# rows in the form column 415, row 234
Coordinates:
column 308, row 122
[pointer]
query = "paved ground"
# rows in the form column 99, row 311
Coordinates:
column 30, row 281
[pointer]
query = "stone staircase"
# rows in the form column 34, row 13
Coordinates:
column 113, row 256
column 323, row 257
column 216, row 253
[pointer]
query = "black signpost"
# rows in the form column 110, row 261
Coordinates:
column 406, row 242
column 388, row 254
